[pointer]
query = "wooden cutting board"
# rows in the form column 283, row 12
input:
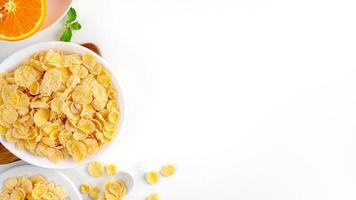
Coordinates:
column 5, row 156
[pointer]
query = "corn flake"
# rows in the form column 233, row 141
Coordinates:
column 9, row 94
column 94, row 192
column 96, row 169
column 86, row 125
column 111, row 169
column 168, row 170
column 51, row 82
column 152, row 177
column 154, row 197
column 85, row 188
column 41, row 117
column 9, row 115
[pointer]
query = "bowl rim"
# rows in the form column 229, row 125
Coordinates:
column 13, row 62
column 42, row 28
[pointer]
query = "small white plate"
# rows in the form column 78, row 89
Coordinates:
column 50, row 175
column 16, row 59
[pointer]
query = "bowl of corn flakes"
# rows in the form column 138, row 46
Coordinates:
column 30, row 182
column 60, row 105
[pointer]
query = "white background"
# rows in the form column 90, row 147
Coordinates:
column 251, row 99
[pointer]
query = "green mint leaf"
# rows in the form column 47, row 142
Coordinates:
column 76, row 26
column 71, row 16
column 66, row 35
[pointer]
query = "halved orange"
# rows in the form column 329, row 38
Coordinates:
column 19, row 19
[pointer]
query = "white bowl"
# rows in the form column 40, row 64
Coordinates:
column 52, row 176
column 16, row 59
column 56, row 10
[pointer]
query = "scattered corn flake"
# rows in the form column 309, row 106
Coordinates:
column 94, row 192
column 111, row 169
column 85, row 188
column 168, row 170
column 154, row 197
column 152, row 177
column 96, row 169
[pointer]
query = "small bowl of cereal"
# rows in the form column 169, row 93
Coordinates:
column 60, row 105
column 30, row 182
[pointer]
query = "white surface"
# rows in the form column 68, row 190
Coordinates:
column 252, row 99
column 55, row 177
column 16, row 59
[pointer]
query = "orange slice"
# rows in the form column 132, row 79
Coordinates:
column 19, row 19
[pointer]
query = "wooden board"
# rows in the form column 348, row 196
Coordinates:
column 5, row 156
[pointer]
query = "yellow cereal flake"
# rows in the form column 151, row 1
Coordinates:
column 168, row 170
column 3, row 130
column 114, row 189
column 112, row 94
column 92, row 146
column 39, row 104
column 105, row 80
column 96, row 69
column 26, row 75
column 111, row 169
column 79, row 70
column 72, row 81
column 51, row 82
column 58, row 105
column 82, row 95
column 9, row 94
column 53, row 58
column 35, row 187
column 86, row 125
column 112, row 105
column 69, row 114
column 94, row 192
column 9, row 115
column 11, row 182
column 78, row 150
column 23, row 101
column 79, row 135
column 114, row 116
column 100, row 96
column 152, row 177
column 41, row 117
column 110, row 126
column 34, row 88
column 88, row 60
column 153, row 197
column 72, row 59
column 95, row 169
column 85, row 188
